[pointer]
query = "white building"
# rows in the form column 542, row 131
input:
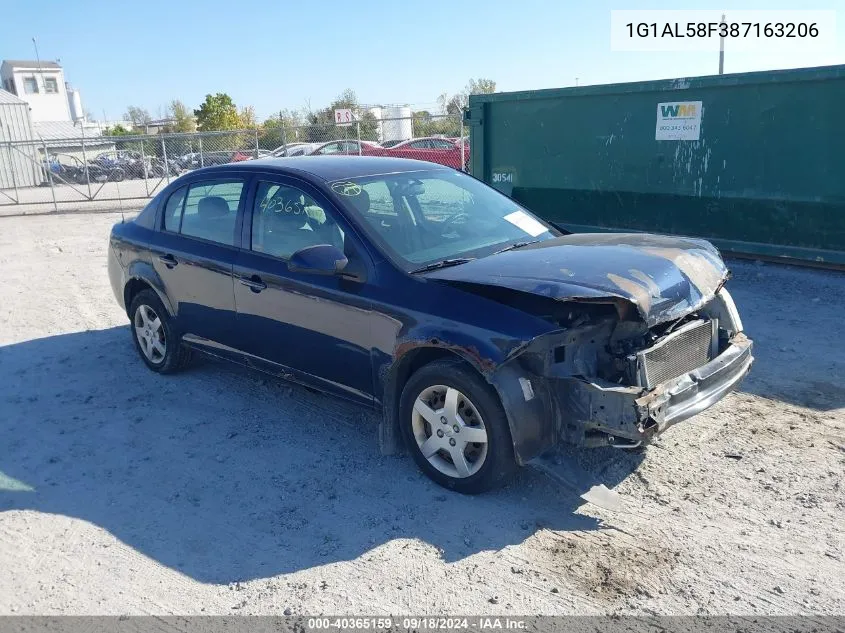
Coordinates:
column 42, row 86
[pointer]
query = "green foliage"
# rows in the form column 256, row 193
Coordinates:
column 184, row 120
column 117, row 130
column 279, row 129
column 247, row 118
column 437, row 126
column 145, row 146
column 218, row 112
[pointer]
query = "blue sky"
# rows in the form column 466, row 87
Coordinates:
column 286, row 54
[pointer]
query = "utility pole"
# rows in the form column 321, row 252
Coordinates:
column 722, row 51
column 38, row 58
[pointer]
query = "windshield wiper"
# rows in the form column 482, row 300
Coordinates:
column 443, row 263
column 515, row 245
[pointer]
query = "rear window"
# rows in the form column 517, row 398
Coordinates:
column 207, row 210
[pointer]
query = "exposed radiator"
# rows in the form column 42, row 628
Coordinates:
column 685, row 349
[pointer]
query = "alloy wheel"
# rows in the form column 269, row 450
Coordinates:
column 449, row 431
column 150, row 334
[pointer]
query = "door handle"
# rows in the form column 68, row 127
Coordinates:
column 168, row 260
column 254, row 283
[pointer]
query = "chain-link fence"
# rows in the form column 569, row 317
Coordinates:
column 122, row 172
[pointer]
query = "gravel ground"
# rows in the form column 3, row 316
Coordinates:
column 220, row 491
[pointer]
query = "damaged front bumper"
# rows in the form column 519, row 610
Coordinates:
column 543, row 411
column 597, row 413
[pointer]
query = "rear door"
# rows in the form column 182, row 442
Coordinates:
column 194, row 255
column 312, row 328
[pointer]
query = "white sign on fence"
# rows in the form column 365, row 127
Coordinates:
column 678, row 121
column 343, row 117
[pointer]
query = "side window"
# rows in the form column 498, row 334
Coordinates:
column 440, row 144
column 211, row 211
column 286, row 219
column 173, row 210
column 331, row 148
column 421, row 145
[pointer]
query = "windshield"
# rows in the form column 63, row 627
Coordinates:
column 424, row 217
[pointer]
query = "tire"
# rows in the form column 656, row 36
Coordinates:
column 486, row 465
column 169, row 355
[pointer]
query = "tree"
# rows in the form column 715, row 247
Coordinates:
column 137, row 116
column 183, row 119
column 481, row 87
column 457, row 103
column 247, row 118
column 218, row 112
column 284, row 127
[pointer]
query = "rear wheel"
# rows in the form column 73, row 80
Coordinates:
column 454, row 425
column 154, row 336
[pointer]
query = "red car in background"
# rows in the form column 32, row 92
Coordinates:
column 433, row 149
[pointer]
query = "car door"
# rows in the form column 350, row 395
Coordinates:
column 312, row 328
column 194, row 254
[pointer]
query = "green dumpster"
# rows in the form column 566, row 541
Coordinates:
column 754, row 162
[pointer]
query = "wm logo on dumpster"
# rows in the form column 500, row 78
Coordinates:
column 678, row 110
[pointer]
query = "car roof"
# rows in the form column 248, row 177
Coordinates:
column 427, row 138
column 330, row 168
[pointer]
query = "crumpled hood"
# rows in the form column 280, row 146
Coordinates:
column 665, row 277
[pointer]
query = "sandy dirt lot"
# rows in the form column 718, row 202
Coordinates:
column 220, row 491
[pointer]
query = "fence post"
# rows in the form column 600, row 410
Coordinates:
column 256, row 142
column 50, row 175
column 12, row 171
column 463, row 157
column 144, row 168
column 85, row 166
column 166, row 165
column 358, row 132
column 199, row 139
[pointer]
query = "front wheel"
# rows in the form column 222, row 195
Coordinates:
column 456, row 429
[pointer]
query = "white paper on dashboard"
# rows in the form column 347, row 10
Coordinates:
column 526, row 223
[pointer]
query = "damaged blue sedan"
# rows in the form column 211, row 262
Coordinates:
column 483, row 334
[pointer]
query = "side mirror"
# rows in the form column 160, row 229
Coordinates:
column 322, row 259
